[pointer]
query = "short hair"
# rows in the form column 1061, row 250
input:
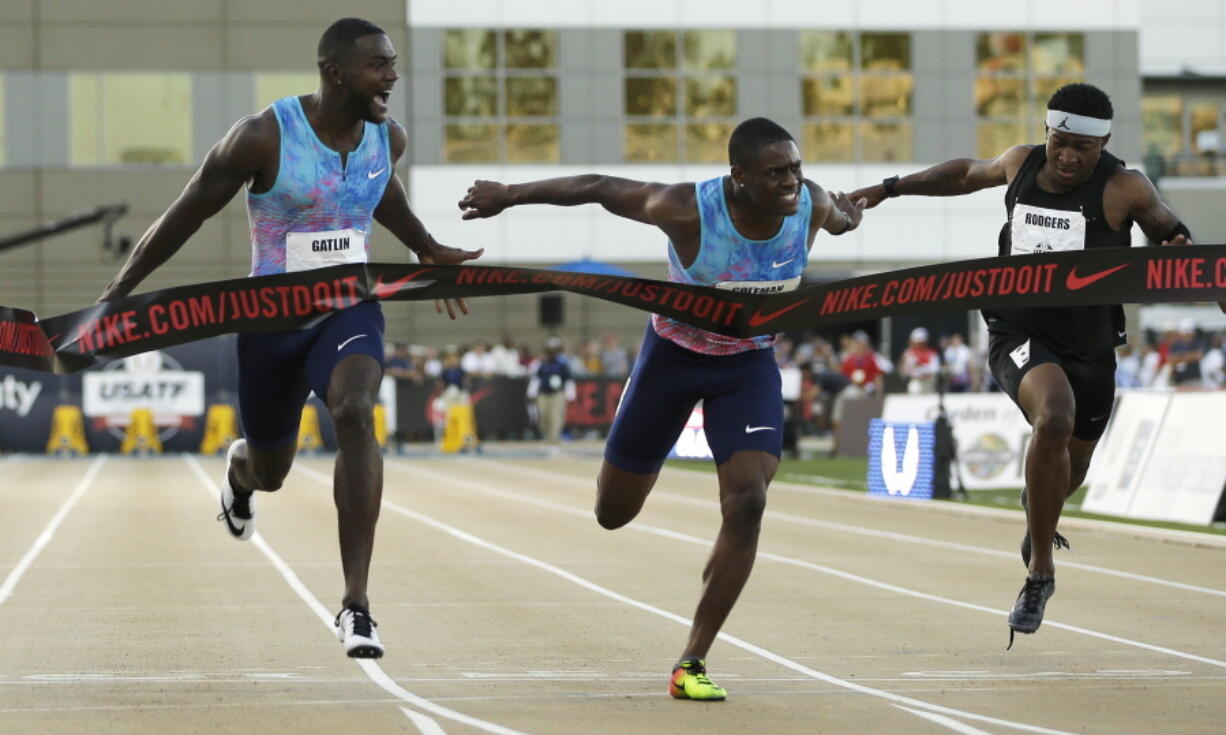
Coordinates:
column 752, row 135
column 340, row 38
column 1082, row 99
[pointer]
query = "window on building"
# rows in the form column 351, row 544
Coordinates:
column 680, row 95
column 500, row 96
column 856, row 95
column 1016, row 73
column 126, row 118
column 1162, row 125
column 272, row 86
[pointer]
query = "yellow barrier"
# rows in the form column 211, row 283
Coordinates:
column 67, row 431
column 141, row 435
column 460, row 431
column 220, row 428
column 309, row 437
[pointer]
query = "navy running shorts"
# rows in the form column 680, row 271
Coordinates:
column 741, row 395
column 1010, row 357
column 276, row 371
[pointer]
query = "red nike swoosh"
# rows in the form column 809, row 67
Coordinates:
column 383, row 290
column 1076, row 282
column 759, row 318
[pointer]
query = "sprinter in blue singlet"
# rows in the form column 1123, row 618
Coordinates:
column 318, row 168
column 750, row 230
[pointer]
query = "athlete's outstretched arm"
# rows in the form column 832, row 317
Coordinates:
column 952, row 178
column 651, row 203
column 233, row 161
column 834, row 212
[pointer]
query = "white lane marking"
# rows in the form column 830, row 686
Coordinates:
column 952, row 724
column 666, row 533
column 371, row 668
column 604, row 591
column 426, row 724
column 14, row 576
column 891, row 535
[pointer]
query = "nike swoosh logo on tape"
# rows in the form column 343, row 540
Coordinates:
column 373, row 174
column 758, row 318
column 1075, row 282
column 383, row 290
column 780, row 265
column 751, row 429
column 341, row 346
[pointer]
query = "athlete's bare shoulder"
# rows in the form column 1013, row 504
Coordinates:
column 1129, row 185
column 397, row 137
column 1012, row 159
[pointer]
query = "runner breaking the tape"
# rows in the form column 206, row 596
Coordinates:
column 317, row 168
column 1056, row 363
column 751, row 231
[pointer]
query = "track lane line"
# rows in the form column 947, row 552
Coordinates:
column 372, row 669
column 727, row 638
column 10, row 582
column 886, row 586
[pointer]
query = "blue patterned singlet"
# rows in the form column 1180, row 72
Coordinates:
column 318, row 212
column 728, row 260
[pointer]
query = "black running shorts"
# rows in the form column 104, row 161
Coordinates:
column 1010, row 357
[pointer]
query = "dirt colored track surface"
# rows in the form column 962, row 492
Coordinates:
column 505, row 608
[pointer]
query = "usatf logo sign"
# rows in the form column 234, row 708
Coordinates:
column 900, row 459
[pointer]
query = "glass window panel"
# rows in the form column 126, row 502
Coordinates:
column 828, row 96
column 527, row 96
column 1203, row 115
column 1058, row 54
column 710, row 49
column 272, row 86
column 888, row 96
column 1000, row 52
column 706, row 96
column 532, row 143
column 469, row 49
column 885, row 51
column 530, row 49
column 999, row 96
column 650, row 49
column 829, row 142
column 707, row 142
column 1162, row 124
column 470, row 96
column 1043, row 90
column 650, row 142
column 470, row 143
column 825, row 51
column 130, row 118
column 654, row 96
column 994, row 138
column 881, row 142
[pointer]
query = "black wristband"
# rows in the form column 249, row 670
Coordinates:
column 1180, row 229
column 891, row 186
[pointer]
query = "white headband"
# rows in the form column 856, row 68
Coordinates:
column 1068, row 122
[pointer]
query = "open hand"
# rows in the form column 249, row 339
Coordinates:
column 445, row 255
column 485, row 199
column 852, row 208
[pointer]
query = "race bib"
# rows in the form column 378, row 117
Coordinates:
column 789, row 284
column 1039, row 230
column 306, row 251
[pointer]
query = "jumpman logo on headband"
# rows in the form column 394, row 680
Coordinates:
column 1062, row 123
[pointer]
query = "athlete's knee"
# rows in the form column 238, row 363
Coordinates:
column 611, row 519
column 1054, row 424
column 268, row 474
column 353, row 412
column 743, row 506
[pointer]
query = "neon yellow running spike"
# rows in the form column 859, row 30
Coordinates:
column 690, row 681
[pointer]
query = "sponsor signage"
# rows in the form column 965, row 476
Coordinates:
column 151, row 380
column 1124, row 450
column 991, row 432
column 900, row 459
column 1183, row 476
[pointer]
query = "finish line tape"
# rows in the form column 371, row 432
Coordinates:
column 172, row 316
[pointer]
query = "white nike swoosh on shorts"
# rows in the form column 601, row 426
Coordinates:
column 341, row 346
column 751, row 429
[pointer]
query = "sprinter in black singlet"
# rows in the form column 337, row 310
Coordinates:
column 1056, row 363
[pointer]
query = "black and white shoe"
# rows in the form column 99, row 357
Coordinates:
column 1060, row 542
column 237, row 509
column 1027, row 613
column 356, row 631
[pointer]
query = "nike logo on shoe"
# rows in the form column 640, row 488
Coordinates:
column 341, row 346
column 1076, row 282
column 780, row 265
column 373, row 174
column 751, row 429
